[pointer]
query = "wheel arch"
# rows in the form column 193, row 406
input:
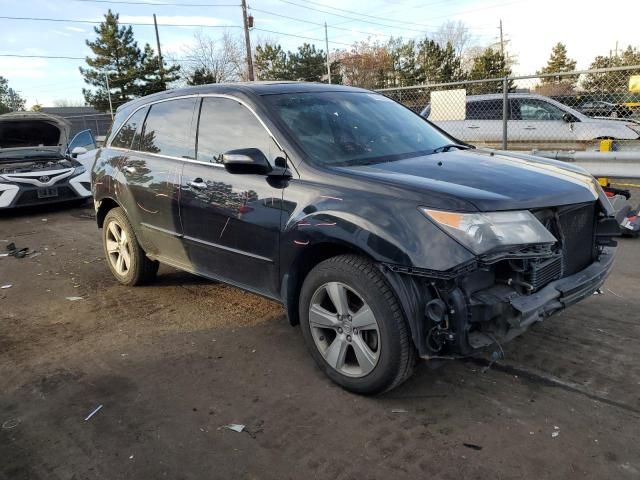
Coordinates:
column 303, row 263
column 104, row 206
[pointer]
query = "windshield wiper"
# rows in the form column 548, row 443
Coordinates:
column 449, row 146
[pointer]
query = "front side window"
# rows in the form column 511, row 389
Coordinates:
column 126, row 134
column 167, row 129
column 534, row 109
column 349, row 128
column 225, row 125
column 485, row 110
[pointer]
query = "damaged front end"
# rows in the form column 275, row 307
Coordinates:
column 500, row 293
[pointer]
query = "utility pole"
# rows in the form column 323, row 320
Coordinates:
column 155, row 24
column 247, row 40
column 326, row 42
column 501, row 41
column 106, row 77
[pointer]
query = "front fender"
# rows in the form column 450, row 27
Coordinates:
column 386, row 229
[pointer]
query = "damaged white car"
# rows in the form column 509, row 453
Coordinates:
column 38, row 164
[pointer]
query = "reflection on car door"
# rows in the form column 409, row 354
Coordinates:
column 152, row 172
column 535, row 121
column 231, row 221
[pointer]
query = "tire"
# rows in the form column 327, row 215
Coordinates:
column 117, row 248
column 371, row 359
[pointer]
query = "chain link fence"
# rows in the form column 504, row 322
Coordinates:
column 581, row 110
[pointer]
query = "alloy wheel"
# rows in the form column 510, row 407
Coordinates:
column 118, row 248
column 344, row 329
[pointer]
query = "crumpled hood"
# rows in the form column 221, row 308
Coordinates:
column 486, row 181
column 33, row 129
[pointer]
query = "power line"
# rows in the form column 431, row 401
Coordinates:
column 317, row 23
column 170, row 25
column 161, row 4
column 380, row 18
column 95, row 22
column 399, row 27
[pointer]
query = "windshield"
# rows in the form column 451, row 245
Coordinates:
column 353, row 128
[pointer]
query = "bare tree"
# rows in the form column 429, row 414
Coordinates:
column 455, row 33
column 223, row 58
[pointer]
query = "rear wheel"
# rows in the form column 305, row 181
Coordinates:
column 126, row 259
column 354, row 327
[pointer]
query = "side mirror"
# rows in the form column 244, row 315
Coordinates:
column 78, row 151
column 245, row 161
column 567, row 117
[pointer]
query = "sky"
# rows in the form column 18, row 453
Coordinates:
column 531, row 28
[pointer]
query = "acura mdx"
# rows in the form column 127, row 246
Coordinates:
column 385, row 238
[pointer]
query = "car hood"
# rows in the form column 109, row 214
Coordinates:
column 26, row 130
column 485, row 181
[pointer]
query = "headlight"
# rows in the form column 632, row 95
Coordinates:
column 79, row 170
column 482, row 232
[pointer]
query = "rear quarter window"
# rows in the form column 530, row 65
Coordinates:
column 125, row 136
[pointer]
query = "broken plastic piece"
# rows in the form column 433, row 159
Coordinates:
column 6, row 286
column 93, row 413
column 74, row 299
column 236, row 427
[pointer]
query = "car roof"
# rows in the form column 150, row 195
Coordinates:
column 259, row 88
column 499, row 96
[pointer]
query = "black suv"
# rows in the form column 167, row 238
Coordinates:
column 384, row 238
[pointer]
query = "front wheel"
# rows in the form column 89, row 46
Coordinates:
column 354, row 327
column 125, row 257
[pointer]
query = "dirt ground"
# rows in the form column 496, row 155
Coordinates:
column 173, row 362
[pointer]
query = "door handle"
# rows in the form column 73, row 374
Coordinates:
column 529, row 128
column 473, row 126
column 197, row 183
column 130, row 170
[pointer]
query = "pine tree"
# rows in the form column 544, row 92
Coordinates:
column 153, row 80
column 307, row 64
column 201, row 76
column 612, row 82
column 491, row 64
column 131, row 72
column 10, row 101
column 558, row 62
column 272, row 63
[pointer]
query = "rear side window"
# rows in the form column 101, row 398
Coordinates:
column 126, row 134
column 484, row 110
column 225, row 125
column 167, row 129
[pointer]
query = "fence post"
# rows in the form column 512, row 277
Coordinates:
column 505, row 110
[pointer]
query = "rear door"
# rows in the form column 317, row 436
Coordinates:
column 231, row 221
column 152, row 171
column 483, row 122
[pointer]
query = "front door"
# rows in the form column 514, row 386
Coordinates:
column 231, row 221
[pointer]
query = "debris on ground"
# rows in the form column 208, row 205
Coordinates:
column 6, row 286
column 236, row 427
column 472, row 446
column 98, row 408
column 74, row 299
column 9, row 424
column 399, row 410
